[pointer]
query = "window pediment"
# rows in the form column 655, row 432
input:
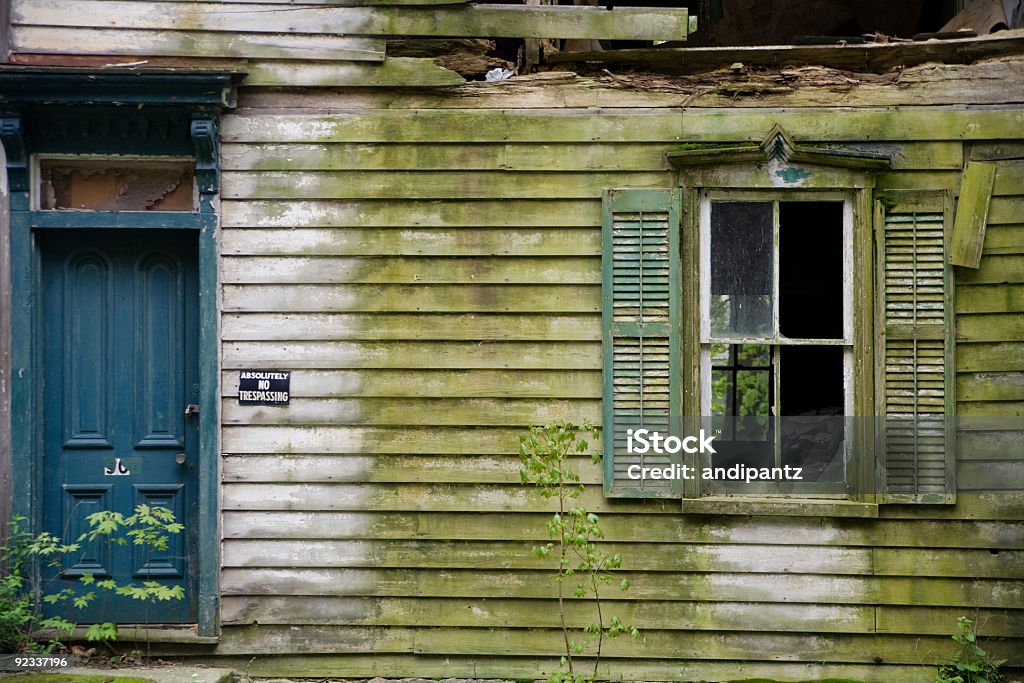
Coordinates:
column 776, row 162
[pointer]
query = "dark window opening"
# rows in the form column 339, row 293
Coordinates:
column 780, row 401
column 811, row 270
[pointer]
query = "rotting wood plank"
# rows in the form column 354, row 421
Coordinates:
column 990, row 409
column 1006, row 238
column 868, row 58
column 1006, row 210
column 1009, row 178
column 429, row 156
column 417, row 411
column 660, row 615
column 623, row 157
column 410, row 326
column 414, row 355
column 510, row 555
column 437, row 383
column 994, row 151
column 487, row 21
column 413, row 241
column 431, row 184
column 991, row 298
column 991, row 386
column 934, row 84
column 667, row 644
column 464, row 468
column 989, row 357
column 990, row 475
column 161, row 43
column 399, row 497
column 990, row 327
column 358, row 440
column 615, row 125
column 413, row 298
column 972, row 214
column 935, row 621
column 1000, row 444
column 919, row 180
column 406, row 270
column 734, row 587
column 1005, row 564
column 994, row 269
column 618, row 527
column 415, row 216
column 393, row 72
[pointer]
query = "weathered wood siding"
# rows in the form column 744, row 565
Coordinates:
column 429, row 266
column 428, row 263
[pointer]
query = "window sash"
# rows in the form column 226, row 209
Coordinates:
column 775, row 339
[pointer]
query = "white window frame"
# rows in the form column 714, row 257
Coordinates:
column 707, row 197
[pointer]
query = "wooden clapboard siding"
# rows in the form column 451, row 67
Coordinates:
column 251, row 584
column 618, row 125
column 990, row 354
column 340, row 156
column 429, row 270
column 440, row 214
column 428, row 326
column 429, row 383
column 427, row 184
column 469, row 271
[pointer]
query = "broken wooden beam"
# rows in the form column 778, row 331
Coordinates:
column 972, row 214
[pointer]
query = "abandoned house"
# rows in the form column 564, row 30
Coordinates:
column 302, row 271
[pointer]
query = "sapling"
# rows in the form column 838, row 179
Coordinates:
column 546, row 453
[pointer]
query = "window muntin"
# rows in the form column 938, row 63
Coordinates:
column 777, row 332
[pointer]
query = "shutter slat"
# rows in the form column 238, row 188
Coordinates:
column 640, row 296
column 916, row 453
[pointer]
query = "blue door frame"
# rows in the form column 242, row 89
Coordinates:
column 200, row 99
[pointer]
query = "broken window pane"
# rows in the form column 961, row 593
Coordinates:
column 741, row 269
column 812, row 388
column 741, row 391
column 811, row 270
column 117, row 185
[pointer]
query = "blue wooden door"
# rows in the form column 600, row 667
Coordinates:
column 120, row 330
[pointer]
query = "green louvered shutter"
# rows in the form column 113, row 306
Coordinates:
column 640, row 312
column 916, row 391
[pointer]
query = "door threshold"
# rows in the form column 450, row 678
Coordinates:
column 184, row 634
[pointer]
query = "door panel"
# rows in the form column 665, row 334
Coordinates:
column 120, row 349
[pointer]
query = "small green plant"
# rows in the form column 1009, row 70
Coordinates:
column 545, row 453
column 21, row 614
column 973, row 664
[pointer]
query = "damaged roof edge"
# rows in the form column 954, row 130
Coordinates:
column 866, row 58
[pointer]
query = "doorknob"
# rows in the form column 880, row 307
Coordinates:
column 180, row 458
column 192, row 409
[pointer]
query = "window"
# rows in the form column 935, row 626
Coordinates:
column 777, row 334
column 116, row 184
column 802, row 317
